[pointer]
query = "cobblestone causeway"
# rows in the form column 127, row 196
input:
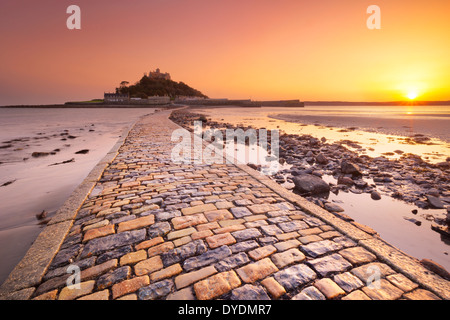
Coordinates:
column 152, row 229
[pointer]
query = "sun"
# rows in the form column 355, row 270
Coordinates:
column 412, row 95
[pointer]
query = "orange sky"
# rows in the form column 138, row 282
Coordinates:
column 258, row 49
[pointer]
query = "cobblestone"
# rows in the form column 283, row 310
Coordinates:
column 385, row 291
column 257, row 270
column 295, row 276
column 275, row 289
column 319, row 248
column 330, row 264
column 156, row 290
column 217, row 285
column 249, row 292
column 329, row 288
column 309, row 293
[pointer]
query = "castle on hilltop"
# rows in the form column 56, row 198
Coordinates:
column 158, row 75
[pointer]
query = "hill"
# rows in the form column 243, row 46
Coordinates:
column 148, row 87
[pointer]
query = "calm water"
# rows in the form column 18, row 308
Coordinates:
column 377, row 130
column 40, row 183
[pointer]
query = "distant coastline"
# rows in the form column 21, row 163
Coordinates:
column 385, row 103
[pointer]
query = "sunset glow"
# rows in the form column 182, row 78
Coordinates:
column 289, row 49
column 412, row 95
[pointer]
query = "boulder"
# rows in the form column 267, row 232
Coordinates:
column 351, row 168
column 308, row 183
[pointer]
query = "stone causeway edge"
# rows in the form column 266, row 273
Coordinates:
column 30, row 270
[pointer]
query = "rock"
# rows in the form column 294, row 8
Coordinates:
column 39, row 154
column 348, row 167
column 421, row 204
column 415, row 221
column 321, row 159
column 436, row 268
column 442, row 230
column 63, row 162
column 317, row 173
column 84, row 151
column 361, row 184
column 345, row 180
column 41, row 215
column 397, row 195
column 375, row 195
column 443, row 165
column 433, row 192
column 314, row 141
column 307, row 183
column 332, row 207
column 435, row 202
column 8, row 182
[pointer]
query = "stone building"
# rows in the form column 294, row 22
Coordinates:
column 158, row 75
column 116, row 97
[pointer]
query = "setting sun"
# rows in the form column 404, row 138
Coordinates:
column 412, row 95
